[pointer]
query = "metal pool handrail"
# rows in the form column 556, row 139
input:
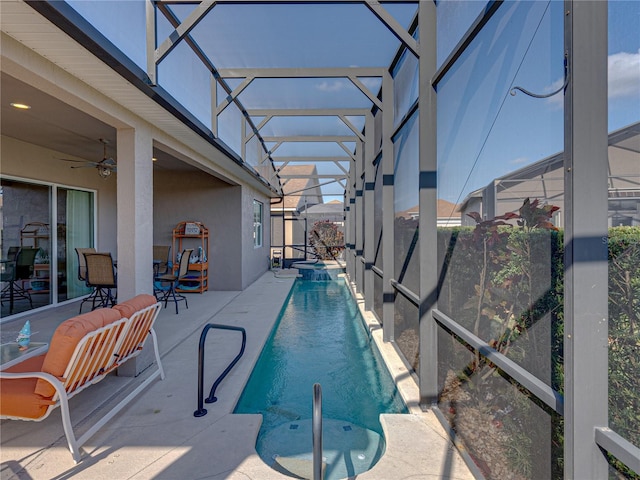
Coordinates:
column 203, row 411
column 316, row 427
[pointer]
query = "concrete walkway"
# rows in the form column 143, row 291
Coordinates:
column 157, row 436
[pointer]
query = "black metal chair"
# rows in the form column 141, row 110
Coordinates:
column 161, row 266
column 172, row 280
column 17, row 271
column 101, row 276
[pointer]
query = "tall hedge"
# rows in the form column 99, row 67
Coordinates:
column 508, row 289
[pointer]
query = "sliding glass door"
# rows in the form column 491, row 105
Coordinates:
column 39, row 264
column 75, row 227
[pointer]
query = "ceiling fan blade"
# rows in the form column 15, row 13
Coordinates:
column 72, row 160
column 86, row 165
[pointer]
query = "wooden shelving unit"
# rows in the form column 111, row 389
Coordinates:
column 191, row 234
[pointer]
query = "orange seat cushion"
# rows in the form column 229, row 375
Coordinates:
column 64, row 342
column 139, row 302
column 18, row 396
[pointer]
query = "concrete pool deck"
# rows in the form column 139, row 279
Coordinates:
column 157, row 437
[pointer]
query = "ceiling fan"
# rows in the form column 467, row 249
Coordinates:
column 105, row 167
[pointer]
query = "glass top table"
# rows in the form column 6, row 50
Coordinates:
column 10, row 352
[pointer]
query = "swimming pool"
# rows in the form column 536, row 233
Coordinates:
column 320, row 338
column 318, row 270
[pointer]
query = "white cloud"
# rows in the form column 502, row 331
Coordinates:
column 372, row 84
column 519, row 161
column 624, row 74
column 334, row 86
column 556, row 100
column 624, row 78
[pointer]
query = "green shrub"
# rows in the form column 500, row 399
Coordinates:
column 505, row 284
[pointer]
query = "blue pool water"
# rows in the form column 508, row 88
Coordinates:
column 320, row 338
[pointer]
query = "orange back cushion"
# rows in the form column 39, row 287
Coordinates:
column 64, row 342
column 128, row 308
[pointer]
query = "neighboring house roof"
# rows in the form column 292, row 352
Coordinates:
column 445, row 210
column 544, row 179
column 295, row 189
column 334, row 207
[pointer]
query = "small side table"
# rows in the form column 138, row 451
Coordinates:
column 10, row 353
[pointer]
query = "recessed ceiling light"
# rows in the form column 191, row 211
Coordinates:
column 154, row 159
column 21, row 106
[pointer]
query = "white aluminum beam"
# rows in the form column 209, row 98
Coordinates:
column 317, row 175
column 363, row 88
column 315, row 186
column 344, row 72
column 353, row 128
column 392, row 24
column 346, row 149
column 388, row 212
column 233, row 95
column 151, row 19
column 310, row 138
column 183, row 29
column 427, row 246
column 299, row 2
column 311, row 159
column 586, row 291
column 308, row 112
column 369, row 212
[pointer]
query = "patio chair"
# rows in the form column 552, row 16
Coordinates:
column 172, row 280
column 82, row 272
column 17, row 271
column 101, row 277
column 82, row 263
column 161, row 266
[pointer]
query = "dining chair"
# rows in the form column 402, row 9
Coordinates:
column 161, row 266
column 17, row 271
column 82, row 263
column 172, row 280
column 101, row 277
column 82, row 272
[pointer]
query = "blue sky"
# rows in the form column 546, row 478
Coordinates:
column 488, row 132
column 484, row 132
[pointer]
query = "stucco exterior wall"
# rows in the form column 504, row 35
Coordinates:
column 219, row 205
column 255, row 259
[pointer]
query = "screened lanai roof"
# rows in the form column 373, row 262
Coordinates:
column 293, row 80
column 544, row 180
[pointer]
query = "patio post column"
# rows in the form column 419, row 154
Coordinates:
column 369, row 211
column 135, row 221
column 388, row 214
column 351, row 226
column 428, row 207
column 586, row 233
column 359, row 208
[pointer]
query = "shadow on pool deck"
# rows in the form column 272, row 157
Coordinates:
column 157, row 437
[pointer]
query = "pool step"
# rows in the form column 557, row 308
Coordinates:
column 348, row 449
column 295, row 467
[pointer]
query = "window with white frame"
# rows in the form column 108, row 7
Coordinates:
column 257, row 223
